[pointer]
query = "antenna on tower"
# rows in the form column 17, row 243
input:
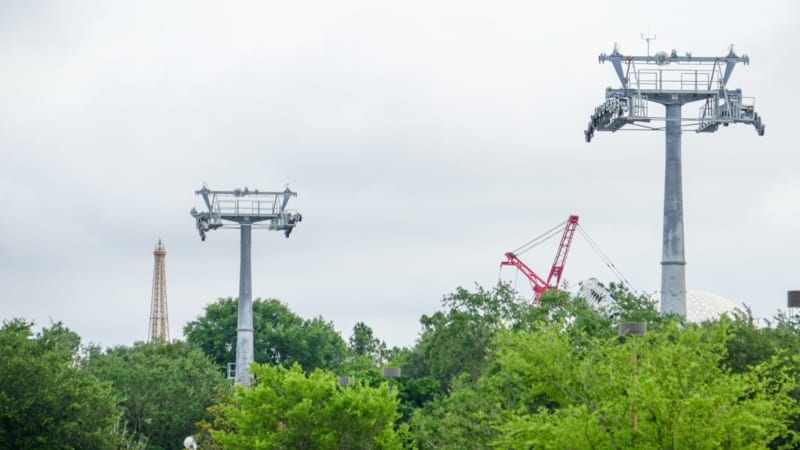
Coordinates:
column 159, row 319
column 648, row 38
column 646, row 79
column 246, row 209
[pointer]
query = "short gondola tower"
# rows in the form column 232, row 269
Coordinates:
column 159, row 319
column 245, row 209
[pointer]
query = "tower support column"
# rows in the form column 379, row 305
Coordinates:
column 244, row 329
column 673, row 260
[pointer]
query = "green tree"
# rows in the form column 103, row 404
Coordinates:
column 671, row 383
column 752, row 344
column 364, row 343
column 631, row 307
column 46, row 399
column 456, row 340
column 122, row 439
column 162, row 389
column 280, row 336
column 288, row 409
column 464, row 419
column 566, row 380
column 315, row 344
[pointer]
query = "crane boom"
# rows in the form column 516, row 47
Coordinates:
column 563, row 250
column 538, row 284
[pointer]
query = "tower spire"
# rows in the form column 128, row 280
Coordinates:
column 159, row 319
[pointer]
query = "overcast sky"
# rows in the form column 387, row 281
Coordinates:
column 424, row 140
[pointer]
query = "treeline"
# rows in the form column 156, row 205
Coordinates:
column 487, row 371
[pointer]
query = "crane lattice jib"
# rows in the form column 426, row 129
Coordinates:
column 538, row 284
column 563, row 250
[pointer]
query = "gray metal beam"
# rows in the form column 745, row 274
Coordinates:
column 673, row 260
column 244, row 329
column 674, row 58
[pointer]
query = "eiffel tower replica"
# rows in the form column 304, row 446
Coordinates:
column 159, row 319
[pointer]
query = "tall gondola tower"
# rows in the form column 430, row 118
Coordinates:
column 673, row 80
column 159, row 318
column 245, row 209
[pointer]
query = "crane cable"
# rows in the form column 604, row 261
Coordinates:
column 540, row 239
column 544, row 237
column 605, row 259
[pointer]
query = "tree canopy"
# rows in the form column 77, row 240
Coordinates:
column 456, row 340
column 364, row 343
column 568, row 381
column 668, row 389
column 46, row 399
column 287, row 408
column 163, row 389
column 280, row 336
column 487, row 371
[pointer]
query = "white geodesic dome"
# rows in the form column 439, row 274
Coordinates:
column 702, row 306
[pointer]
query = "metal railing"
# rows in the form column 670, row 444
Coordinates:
column 246, row 206
column 675, row 80
column 731, row 108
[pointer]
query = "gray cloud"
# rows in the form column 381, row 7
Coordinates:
column 424, row 140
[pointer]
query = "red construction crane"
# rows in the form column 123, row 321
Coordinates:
column 539, row 285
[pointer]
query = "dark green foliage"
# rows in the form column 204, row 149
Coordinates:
column 314, row 345
column 364, row 343
column 162, row 389
column 414, row 393
column 455, row 341
column 46, row 399
column 280, row 336
column 630, row 307
column 466, row 418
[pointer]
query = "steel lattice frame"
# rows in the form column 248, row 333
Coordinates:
column 159, row 317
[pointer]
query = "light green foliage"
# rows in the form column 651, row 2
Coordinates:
column 122, row 439
column 566, row 380
column 280, row 336
column 288, row 409
column 162, row 389
column 46, row 399
column 673, row 380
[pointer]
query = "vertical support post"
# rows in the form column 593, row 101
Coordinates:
column 244, row 328
column 635, row 364
column 673, row 261
column 630, row 329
